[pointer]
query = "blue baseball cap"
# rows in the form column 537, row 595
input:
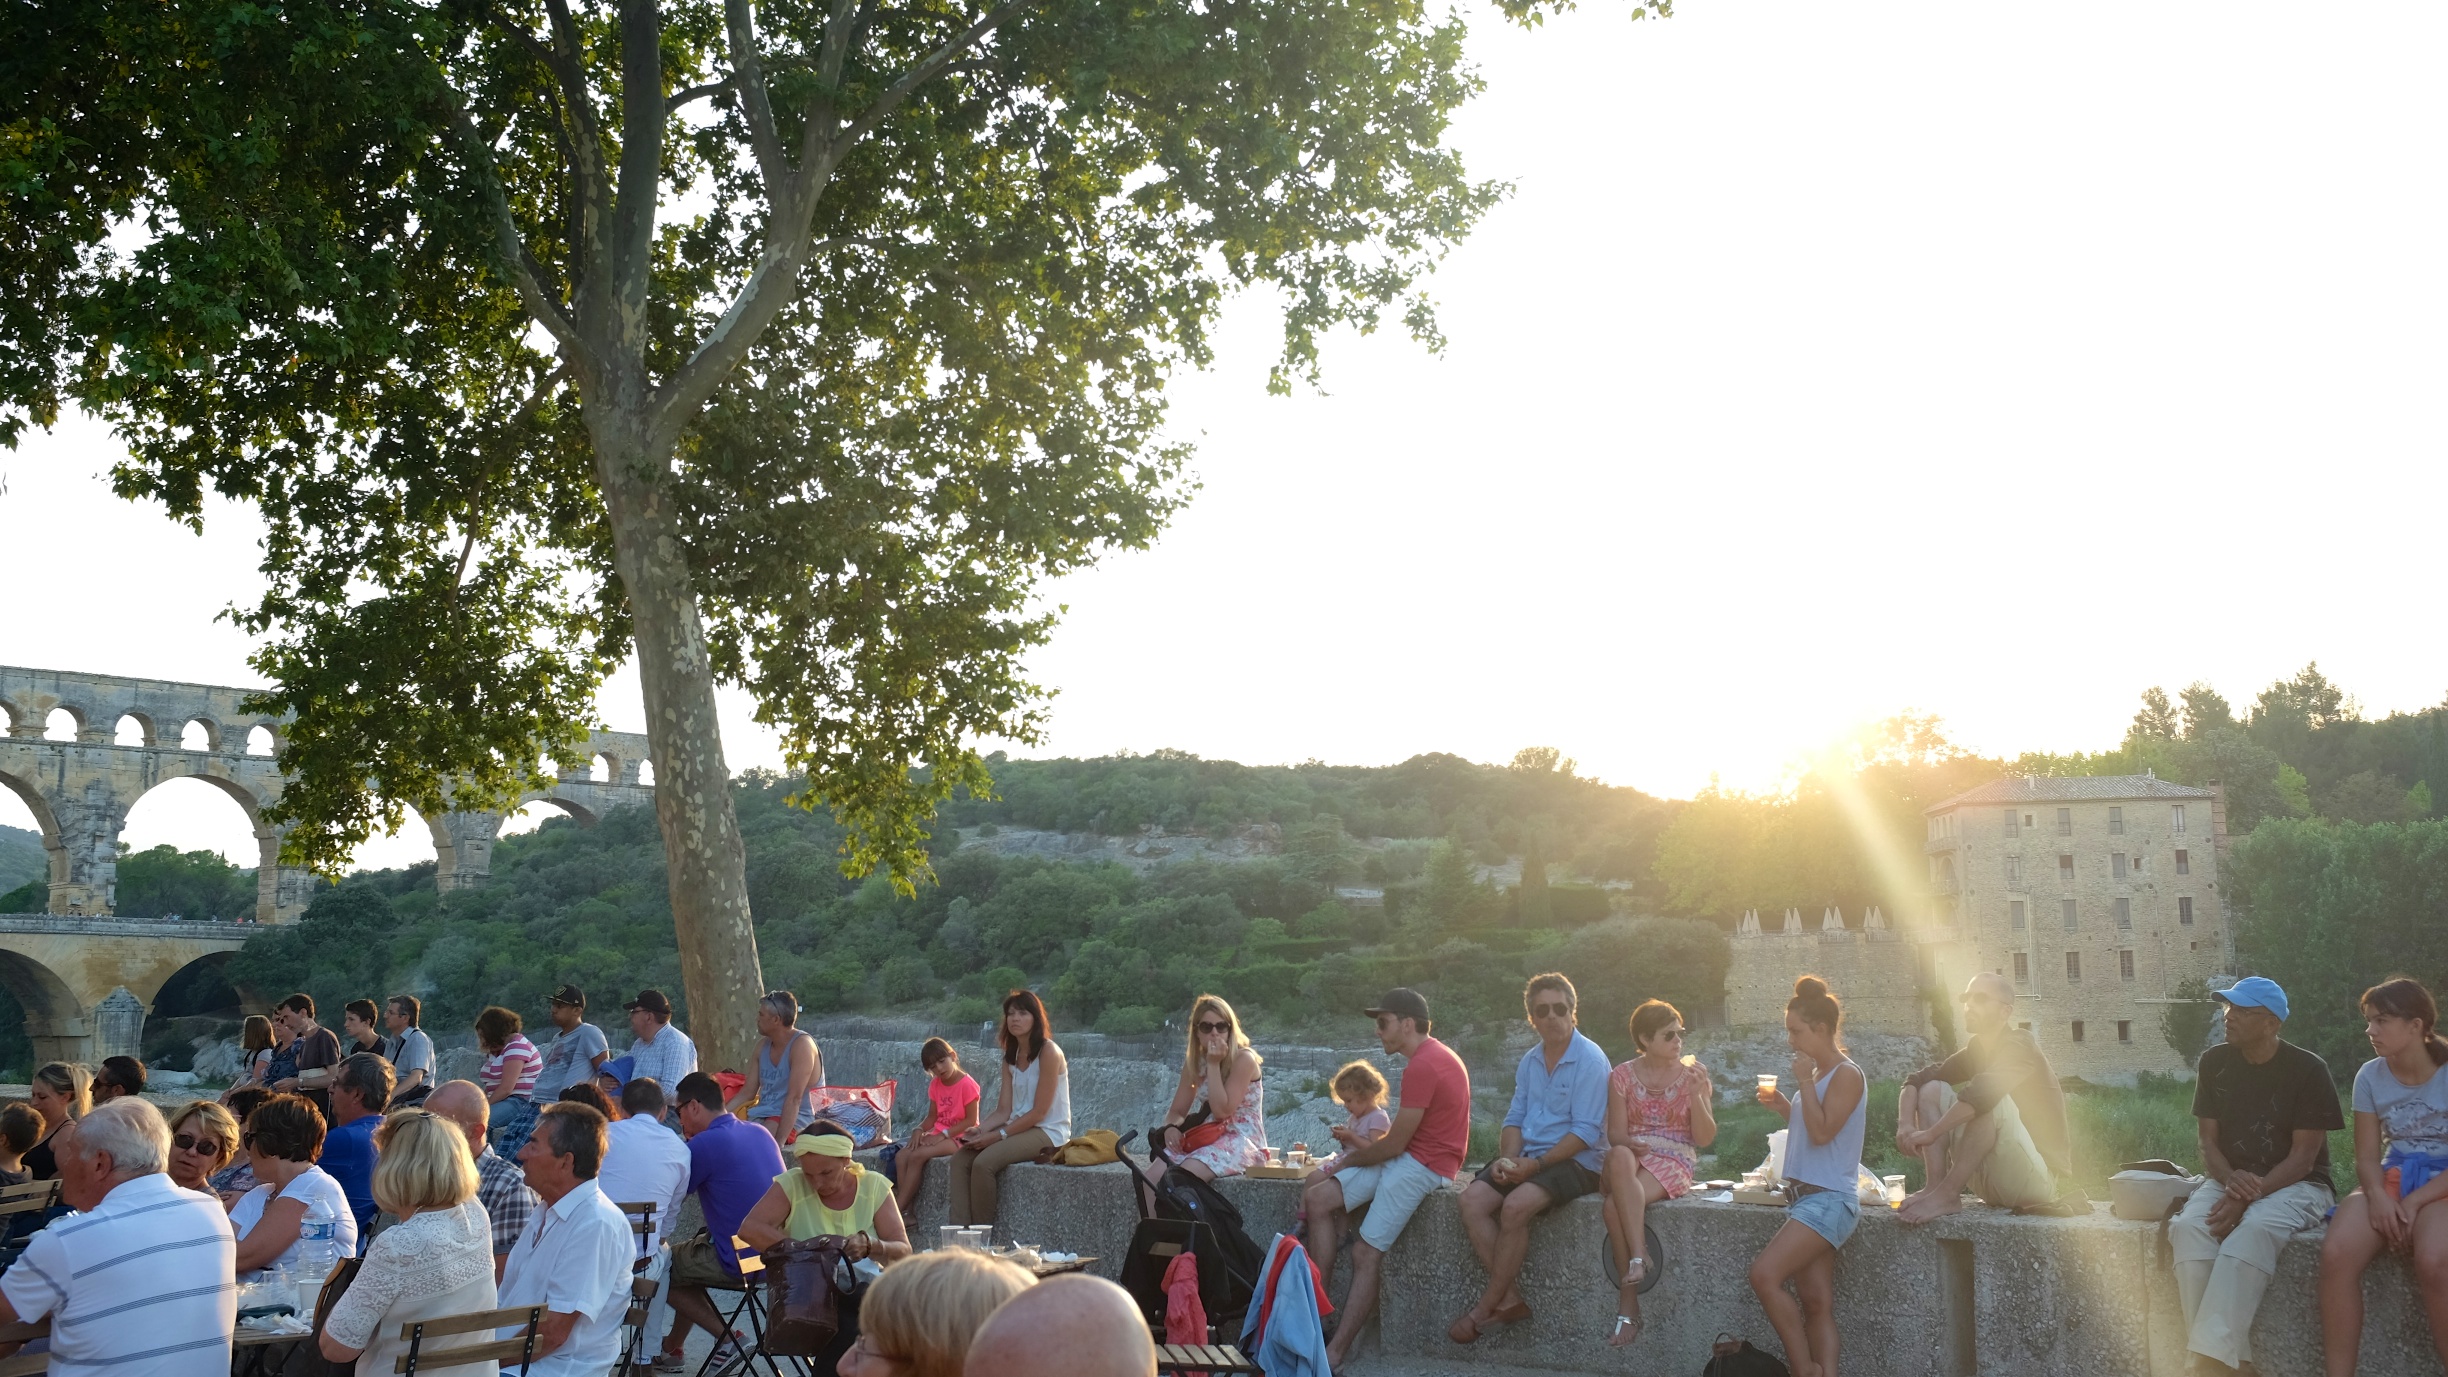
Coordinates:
column 2255, row 992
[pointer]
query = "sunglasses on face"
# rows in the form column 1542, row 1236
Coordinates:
column 1208, row 1025
column 188, row 1142
column 1385, row 1021
column 1544, row 1009
column 1671, row 1035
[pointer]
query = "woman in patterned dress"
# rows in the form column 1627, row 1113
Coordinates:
column 1219, row 1074
column 1661, row 1111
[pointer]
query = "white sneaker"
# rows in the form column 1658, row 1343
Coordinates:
column 729, row 1356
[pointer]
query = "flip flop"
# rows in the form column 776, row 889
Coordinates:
column 1616, row 1339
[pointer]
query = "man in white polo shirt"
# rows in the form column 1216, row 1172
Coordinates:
column 141, row 1283
column 574, row 1258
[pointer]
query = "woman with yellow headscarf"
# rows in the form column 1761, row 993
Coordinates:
column 824, row 1192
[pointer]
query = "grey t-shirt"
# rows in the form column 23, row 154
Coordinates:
column 569, row 1060
column 2414, row 1117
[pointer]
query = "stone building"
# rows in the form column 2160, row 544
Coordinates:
column 2096, row 895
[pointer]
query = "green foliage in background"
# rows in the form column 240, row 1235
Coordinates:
column 22, row 859
column 195, row 885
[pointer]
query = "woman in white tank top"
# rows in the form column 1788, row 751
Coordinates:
column 1032, row 1114
column 1823, row 1146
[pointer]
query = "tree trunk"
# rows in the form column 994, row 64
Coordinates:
column 692, row 790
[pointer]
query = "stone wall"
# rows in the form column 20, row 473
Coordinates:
column 1980, row 1293
column 1878, row 975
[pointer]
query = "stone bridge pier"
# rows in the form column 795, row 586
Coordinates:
column 79, row 750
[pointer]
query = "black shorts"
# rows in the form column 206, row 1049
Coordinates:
column 1566, row 1180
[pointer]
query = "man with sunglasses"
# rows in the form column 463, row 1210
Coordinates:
column 1392, row 1175
column 2003, row 1134
column 1551, row 1150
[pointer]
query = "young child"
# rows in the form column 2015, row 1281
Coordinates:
column 952, row 1110
column 1362, row 1091
column 20, row 1129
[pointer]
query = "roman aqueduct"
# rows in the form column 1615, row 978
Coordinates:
column 81, row 749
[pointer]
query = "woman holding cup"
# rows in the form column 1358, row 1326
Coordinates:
column 1660, row 1112
column 1220, row 1087
column 1823, row 1146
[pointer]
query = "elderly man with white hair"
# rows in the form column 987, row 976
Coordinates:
column 142, row 1282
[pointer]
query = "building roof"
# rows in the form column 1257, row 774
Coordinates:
column 2070, row 789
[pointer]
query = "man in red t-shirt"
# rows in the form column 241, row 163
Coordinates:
column 1394, row 1174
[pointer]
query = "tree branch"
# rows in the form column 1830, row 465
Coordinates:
column 756, row 104
column 585, row 145
column 927, row 69
column 681, row 99
column 517, row 265
column 641, row 164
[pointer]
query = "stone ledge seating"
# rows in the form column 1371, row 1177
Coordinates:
column 1981, row 1292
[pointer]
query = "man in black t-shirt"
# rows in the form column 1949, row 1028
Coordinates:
column 2265, row 1108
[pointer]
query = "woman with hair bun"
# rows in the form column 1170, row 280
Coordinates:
column 2400, row 1100
column 1823, row 1148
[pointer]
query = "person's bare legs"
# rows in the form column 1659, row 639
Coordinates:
column 1526, row 1203
column 1357, row 1306
column 1324, row 1202
column 1942, row 1194
column 2431, row 1270
column 1630, row 1188
column 1480, row 1202
column 1817, row 1289
column 910, row 1170
column 2346, row 1252
column 692, row 1308
column 1794, row 1248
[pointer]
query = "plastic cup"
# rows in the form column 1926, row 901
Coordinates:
column 1895, row 1190
column 1691, row 1059
column 978, row 1238
column 1767, row 1080
column 948, row 1237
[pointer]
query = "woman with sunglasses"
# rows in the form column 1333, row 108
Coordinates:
column 1661, row 1110
column 203, row 1137
column 1219, row 1087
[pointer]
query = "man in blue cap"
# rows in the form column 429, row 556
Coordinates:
column 2266, row 1107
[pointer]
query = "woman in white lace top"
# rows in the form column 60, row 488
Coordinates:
column 437, row 1261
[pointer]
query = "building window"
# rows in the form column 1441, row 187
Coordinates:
column 2073, row 965
column 2125, row 965
column 2022, row 968
column 2014, row 915
column 2124, row 915
column 2078, row 1030
column 2176, row 818
column 2116, row 822
column 2066, row 908
column 2011, row 816
column 2065, row 822
column 2124, row 1031
column 2184, row 862
column 2014, row 872
column 2065, row 869
column 2116, row 864
column 2184, row 910
column 2029, row 825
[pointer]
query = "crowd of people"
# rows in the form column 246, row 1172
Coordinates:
column 555, row 1178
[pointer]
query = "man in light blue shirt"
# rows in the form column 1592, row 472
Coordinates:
column 1553, row 1144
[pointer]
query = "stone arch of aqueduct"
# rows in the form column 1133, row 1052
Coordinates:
column 80, row 749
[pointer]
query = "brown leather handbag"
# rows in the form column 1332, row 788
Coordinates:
column 803, row 1309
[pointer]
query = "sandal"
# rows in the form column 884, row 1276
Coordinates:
column 1621, row 1339
column 1632, row 1274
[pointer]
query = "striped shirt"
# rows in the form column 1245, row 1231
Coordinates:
column 518, row 1046
column 142, row 1285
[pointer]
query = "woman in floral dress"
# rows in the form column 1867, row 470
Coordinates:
column 1220, row 1069
column 1660, row 1112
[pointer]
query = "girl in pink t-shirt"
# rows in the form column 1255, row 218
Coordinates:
column 952, row 1110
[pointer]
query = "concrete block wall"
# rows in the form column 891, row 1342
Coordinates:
column 1983, row 1292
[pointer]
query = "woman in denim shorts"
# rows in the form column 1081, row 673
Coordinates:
column 1823, row 1147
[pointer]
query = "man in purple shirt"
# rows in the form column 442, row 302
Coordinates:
column 732, row 1163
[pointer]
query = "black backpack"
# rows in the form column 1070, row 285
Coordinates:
column 1732, row 1357
column 1191, row 1215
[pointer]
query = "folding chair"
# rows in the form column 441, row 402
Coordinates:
column 1202, row 1358
column 642, row 1287
column 751, row 1304
column 26, row 1364
column 414, row 1333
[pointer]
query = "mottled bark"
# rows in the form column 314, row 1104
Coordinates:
column 708, row 867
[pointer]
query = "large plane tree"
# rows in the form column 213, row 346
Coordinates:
column 789, row 345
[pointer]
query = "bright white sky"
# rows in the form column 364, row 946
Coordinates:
column 1828, row 361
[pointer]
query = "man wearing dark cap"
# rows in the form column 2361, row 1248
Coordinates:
column 662, row 1053
column 2265, row 1108
column 576, row 1052
column 1395, row 1173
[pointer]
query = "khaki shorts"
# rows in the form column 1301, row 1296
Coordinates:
column 2014, row 1174
column 695, row 1263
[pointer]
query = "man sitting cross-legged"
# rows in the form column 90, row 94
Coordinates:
column 1551, row 1151
column 2003, row 1136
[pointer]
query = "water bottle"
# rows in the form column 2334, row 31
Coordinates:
column 317, row 1251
